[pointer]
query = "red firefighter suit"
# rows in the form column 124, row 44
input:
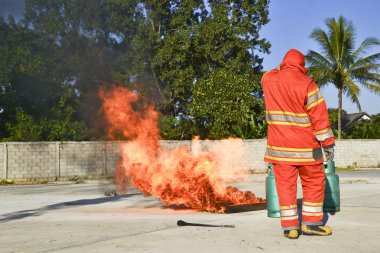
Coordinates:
column 298, row 124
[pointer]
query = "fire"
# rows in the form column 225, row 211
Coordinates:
column 195, row 178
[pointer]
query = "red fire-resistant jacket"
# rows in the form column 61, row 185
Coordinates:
column 298, row 122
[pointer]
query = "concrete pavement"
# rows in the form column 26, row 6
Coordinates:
column 79, row 218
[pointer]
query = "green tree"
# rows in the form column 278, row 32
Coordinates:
column 366, row 130
column 28, row 73
column 341, row 64
column 161, row 49
column 24, row 129
column 202, row 41
column 333, row 118
column 63, row 124
column 223, row 106
column 80, row 34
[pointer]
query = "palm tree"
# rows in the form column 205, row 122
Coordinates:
column 342, row 65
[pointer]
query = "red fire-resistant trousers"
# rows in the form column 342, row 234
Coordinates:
column 313, row 187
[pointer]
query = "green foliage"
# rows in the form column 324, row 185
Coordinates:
column 360, row 130
column 23, row 72
column 343, row 65
column 223, row 105
column 61, row 126
column 367, row 129
column 163, row 49
column 333, row 118
column 6, row 182
column 24, row 129
column 172, row 128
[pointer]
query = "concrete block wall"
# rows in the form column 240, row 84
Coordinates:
column 82, row 159
column 96, row 159
column 357, row 153
column 31, row 160
column 3, row 165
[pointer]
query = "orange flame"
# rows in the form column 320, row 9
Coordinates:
column 194, row 178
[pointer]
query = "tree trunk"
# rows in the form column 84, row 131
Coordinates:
column 340, row 93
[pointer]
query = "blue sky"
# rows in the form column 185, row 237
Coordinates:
column 292, row 21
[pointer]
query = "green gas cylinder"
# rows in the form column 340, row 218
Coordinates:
column 332, row 192
column 273, row 206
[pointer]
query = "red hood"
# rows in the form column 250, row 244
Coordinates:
column 294, row 59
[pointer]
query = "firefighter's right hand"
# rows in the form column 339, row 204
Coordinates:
column 329, row 154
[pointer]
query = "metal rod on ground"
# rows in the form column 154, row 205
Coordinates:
column 182, row 223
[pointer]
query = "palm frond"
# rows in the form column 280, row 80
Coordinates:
column 363, row 75
column 316, row 59
column 372, row 87
column 320, row 68
column 370, row 61
column 367, row 44
column 352, row 90
column 323, row 41
column 341, row 37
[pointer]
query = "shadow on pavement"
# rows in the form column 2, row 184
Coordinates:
column 81, row 202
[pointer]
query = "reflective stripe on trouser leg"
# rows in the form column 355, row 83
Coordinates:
column 286, row 184
column 313, row 188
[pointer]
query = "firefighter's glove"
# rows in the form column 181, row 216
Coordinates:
column 329, row 154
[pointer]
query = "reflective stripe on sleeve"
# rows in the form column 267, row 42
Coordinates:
column 320, row 100
column 311, row 93
column 324, row 134
column 314, row 98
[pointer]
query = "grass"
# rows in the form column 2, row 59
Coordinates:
column 348, row 168
column 77, row 179
column 6, row 182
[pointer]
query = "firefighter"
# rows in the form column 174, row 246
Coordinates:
column 298, row 126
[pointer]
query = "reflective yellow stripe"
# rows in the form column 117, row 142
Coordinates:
column 287, row 118
column 315, row 103
column 290, row 217
column 289, row 159
column 288, row 207
column 289, row 212
column 312, row 203
column 312, row 214
column 290, row 149
column 287, row 113
column 311, row 93
column 322, row 131
column 286, row 123
column 312, row 209
column 290, row 154
column 322, row 137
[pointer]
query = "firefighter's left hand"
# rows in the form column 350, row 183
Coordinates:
column 329, row 154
